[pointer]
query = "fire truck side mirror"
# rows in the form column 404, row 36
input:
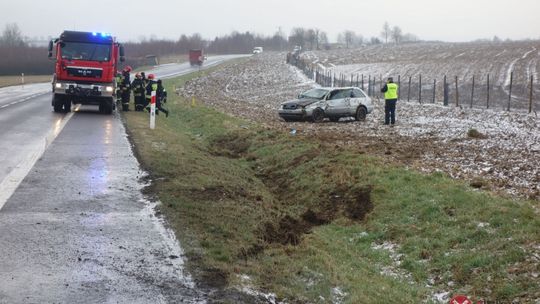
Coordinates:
column 50, row 48
column 122, row 55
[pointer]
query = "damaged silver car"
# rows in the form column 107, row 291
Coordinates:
column 332, row 103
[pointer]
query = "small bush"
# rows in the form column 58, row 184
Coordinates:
column 473, row 133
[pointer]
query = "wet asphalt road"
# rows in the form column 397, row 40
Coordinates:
column 77, row 228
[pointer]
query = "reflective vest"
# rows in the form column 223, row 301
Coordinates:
column 151, row 86
column 391, row 93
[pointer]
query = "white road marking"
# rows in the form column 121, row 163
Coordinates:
column 23, row 100
column 16, row 176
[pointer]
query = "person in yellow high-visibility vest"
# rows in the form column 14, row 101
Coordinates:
column 390, row 91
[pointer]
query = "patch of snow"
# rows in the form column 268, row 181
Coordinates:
column 441, row 297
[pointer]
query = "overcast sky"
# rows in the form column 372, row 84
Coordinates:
column 448, row 20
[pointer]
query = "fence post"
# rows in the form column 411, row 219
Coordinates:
column 445, row 91
column 398, row 86
column 472, row 91
column 420, row 88
column 380, row 86
column 362, row 82
column 531, row 94
column 487, row 102
column 434, row 89
column 409, row 90
column 369, row 86
column 510, row 93
column 457, row 93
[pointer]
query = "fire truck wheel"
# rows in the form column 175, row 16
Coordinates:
column 106, row 106
column 67, row 105
column 57, row 103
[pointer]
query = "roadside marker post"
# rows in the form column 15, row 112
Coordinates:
column 153, row 110
column 22, row 80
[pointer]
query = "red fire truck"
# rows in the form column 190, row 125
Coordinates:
column 85, row 70
column 196, row 57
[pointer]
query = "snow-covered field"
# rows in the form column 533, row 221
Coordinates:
column 435, row 60
column 503, row 156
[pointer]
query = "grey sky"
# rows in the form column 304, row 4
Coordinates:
column 455, row 20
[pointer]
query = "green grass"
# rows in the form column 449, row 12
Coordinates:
column 6, row 81
column 228, row 188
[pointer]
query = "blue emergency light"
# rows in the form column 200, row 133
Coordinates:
column 102, row 34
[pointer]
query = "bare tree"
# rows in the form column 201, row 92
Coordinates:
column 385, row 31
column 298, row 35
column 408, row 37
column 374, row 40
column 311, row 37
column 323, row 39
column 12, row 36
column 347, row 37
column 397, row 34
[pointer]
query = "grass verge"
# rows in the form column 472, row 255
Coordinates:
column 318, row 223
column 6, row 81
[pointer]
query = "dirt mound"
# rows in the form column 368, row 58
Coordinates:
column 233, row 145
column 289, row 230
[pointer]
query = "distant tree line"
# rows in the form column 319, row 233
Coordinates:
column 395, row 35
column 17, row 57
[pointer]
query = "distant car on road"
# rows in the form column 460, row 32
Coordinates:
column 333, row 103
column 257, row 50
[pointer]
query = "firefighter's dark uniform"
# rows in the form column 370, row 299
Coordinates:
column 150, row 86
column 126, row 90
column 144, row 79
column 161, row 98
column 390, row 90
column 139, row 89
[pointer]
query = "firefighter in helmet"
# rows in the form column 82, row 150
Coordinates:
column 144, row 79
column 139, row 89
column 151, row 86
column 126, row 88
column 161, row 98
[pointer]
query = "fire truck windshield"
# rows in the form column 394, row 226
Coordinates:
column 85, row 51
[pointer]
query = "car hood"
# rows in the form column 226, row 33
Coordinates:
column 301, row 102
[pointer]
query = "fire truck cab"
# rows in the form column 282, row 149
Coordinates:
column 85, row 69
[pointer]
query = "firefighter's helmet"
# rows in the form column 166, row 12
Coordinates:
column 151, row 76
column 127, row 68
column 138, row 75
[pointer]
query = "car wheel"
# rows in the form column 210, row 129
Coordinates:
column 318, row 115
column 361, row 114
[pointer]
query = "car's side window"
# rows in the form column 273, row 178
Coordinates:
column 358, row 94
column 340, row 94
column 334, row 95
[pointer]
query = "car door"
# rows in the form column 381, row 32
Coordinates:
column 337, row 102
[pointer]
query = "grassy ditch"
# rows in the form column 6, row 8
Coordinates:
column 317, row 223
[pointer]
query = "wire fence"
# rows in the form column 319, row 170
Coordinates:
column 478, row 92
